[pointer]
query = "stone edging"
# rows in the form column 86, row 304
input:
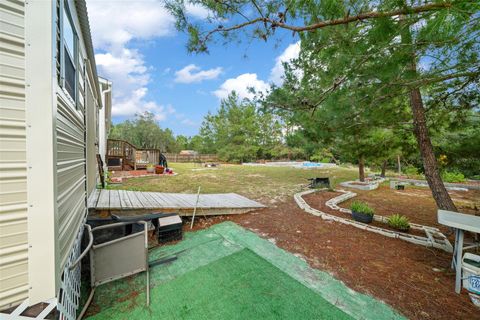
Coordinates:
column 447, row 184
column 371, row 185
column 434, row 238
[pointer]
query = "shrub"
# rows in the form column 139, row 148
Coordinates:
column 399, row 222
column 361, row 207
column 324, row 155
column 453, row 176
column 411, row 171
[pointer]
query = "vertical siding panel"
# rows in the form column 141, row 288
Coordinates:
column 71, row 176
column 91, row 125
column 13, row 174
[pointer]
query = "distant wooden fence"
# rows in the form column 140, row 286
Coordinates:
column 175, row 157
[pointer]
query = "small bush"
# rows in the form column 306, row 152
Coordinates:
column 324, row 155
column 399, row 222
column 361, row 207
column 411, row 171
column 453, row 176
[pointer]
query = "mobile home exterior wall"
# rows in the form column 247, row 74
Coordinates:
column 13, row 167
column 71, row 147
column 92, row 140
column 43, row 144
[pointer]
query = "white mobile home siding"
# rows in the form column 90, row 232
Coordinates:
column 13, row 171
column 91, row 119
column 71, row 155
column 71, row 193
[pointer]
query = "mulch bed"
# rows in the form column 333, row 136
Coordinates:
column 415, row 203
column 415, row 280
column 317, row 201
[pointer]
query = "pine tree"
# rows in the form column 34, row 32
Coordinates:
column 385, row 40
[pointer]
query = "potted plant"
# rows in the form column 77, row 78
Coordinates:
column 399, row 222
column 159, row 169
column 150, row 168
column 361, row 212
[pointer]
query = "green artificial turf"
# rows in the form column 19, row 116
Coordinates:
column 239, row 286
column 227, row 272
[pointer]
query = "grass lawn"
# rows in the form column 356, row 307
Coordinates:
column 259, row 183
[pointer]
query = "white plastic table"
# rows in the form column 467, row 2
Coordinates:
column 461, row 223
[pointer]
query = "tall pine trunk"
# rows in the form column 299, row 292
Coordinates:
column 432, row 173
column 361, row 168
column 384, row 169
column 420, row 129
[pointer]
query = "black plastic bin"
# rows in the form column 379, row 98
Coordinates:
column 169, row 229
column 319, row 182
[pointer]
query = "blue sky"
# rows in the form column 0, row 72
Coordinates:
column 138, row 49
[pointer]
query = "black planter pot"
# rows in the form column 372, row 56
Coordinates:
column 361, row 217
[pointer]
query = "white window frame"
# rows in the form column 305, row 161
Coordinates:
column 64, row 8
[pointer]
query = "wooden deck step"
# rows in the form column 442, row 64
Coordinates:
column 208, row 204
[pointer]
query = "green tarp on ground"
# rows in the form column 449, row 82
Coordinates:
column 227, row 272
column 239, row 286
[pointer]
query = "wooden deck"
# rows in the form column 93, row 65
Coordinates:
column 131, row 202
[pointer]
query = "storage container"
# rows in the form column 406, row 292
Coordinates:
column 471, row 276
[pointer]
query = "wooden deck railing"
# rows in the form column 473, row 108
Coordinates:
column 123, row 155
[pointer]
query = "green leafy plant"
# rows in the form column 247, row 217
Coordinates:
column 323, row 155
column 399, row 222
column 108, row 177
column 411, row 171
column 361, row 207
column 453, row 176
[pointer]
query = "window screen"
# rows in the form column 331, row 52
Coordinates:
column 69, row 55
column 68, row 35
column 69, row 76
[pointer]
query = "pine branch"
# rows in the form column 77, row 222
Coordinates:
column 322, row 24
column 426, row 81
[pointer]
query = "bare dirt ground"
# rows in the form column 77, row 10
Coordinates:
column 415, row 280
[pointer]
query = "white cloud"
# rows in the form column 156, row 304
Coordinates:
column 183, row 119
column 188, row 122
column 192, row 73
column 197, row 11
column 241, row 85
column 125, row 68
column 135, row 103
column 114, row 24
column 277, row 72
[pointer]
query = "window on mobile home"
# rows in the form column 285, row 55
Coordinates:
column 69, row 55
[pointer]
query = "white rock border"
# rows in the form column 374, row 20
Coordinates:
column 434, row 238
column 370, row 185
